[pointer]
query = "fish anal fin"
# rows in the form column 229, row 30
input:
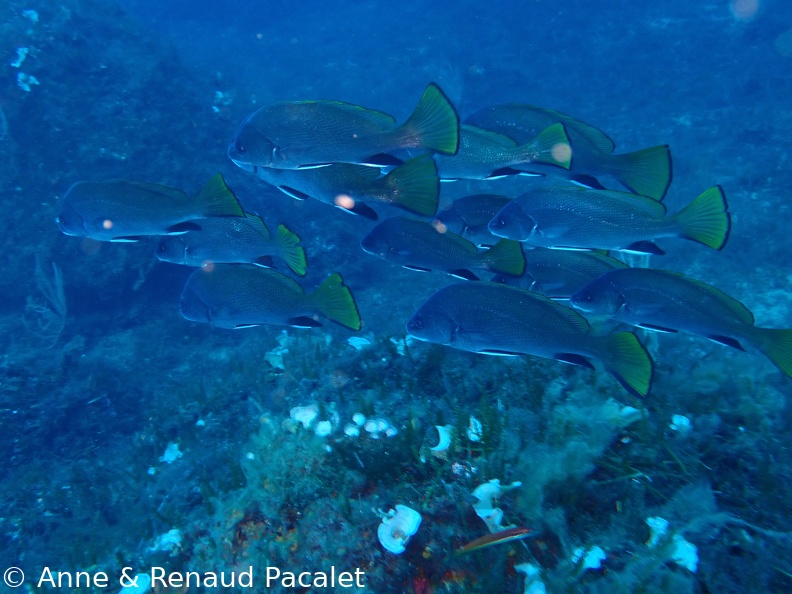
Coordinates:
column 587, row 181
column 181, row 228
column 264, row 262
column 726, row 340
column 656, row 328
column 304, row 322
column 292, row 193
column 463, row 274
column 644, row 247
column 499, row 353
column 381, row 160
column 573, row 359
column 417, row 268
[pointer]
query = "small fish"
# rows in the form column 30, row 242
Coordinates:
column 244, row 295
column 647, row 172
column 129, row 210
column 486, row 155
column 667, row 301
column 419, row 245
column 560, row 273
column 233, row 240
column 497, row 319
column 579, row 218
column 470, row 215
column 412, row 186
column 496, row 538
column 304, row 134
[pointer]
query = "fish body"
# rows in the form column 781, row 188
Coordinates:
column 129, row 210
column 302, row 134
column 469, row 216
column 233, row 240
column 244, row 295
column 487, row 155
column 501, row 320
column 647, row 172
column 667, row 301
column 580, row 218
column 419, row 245
column 412, row 186
column 558, row 274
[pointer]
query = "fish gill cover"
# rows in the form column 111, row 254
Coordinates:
column 132, row 437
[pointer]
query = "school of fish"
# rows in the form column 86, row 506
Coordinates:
column 552, row 253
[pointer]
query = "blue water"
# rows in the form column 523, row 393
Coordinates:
column 91, row 398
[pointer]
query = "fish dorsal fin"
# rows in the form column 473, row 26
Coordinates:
column 579, row 322
column 357, row 172
column 598, row 138
column 486, row 136
column 463, row 244
column 379, row 118
column 741, row 312
column 257, row 224
column 162, row 192
column 282, row 279
column 645, row 205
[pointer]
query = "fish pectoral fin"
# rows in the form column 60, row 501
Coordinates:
column 499, row 353
column 381, row 160
column 587, row 181
column 573, row 359
column 643, row 247
column 463, row 274
column 292, row 193
column 728, row 341
column 416, row 268
column 656, row 328
column 182, row 228
column 129, row 239
column 304, row 322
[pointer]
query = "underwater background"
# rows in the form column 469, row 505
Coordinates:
column 130, row 437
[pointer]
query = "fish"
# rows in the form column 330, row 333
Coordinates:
column 233, row 240
column 469, row 216
column 666, row 301
column 244, row 295
column 489, row 540
column 412, row 186
column 647, row 172
column 419, row 245
column 126, row 211
column 305, row 134
column 487, row 155
column 580, row 218
column 495, row 319
column 558, row 274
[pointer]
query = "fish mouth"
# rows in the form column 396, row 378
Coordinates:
column 243, row 165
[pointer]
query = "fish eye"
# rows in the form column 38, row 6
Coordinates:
column 500, row 222
column 240, row 148
column 418, row 323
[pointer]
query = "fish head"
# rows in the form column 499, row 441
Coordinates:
column 250, row 147
column 513, row 222
column 599, row 297
column 431, row 323
column 377, row 243
column 172, row 248
column 70, row 221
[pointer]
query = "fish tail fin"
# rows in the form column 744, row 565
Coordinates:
column 334, row 301
column 434, row 125
column 216, row 200
column 506, row 257
column 289, row 249
column 550, row 146
column 647, row 172
column 776, row 345
column 706, row 219
column 415, row 186
column 628, row 360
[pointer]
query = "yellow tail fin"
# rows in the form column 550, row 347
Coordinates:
column 550, row 146
column 334, row 300
column 647, row 172
column 776, row 345
column 506, row 257
column 287, row 242
column 706, row 219
column 627, row 359
column 415, row 186
column 434, row 125
column 217, row 200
